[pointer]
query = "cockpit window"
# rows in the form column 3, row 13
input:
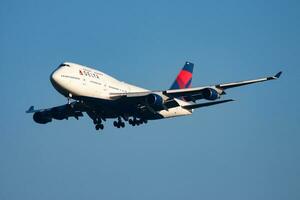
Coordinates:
column 64, row 65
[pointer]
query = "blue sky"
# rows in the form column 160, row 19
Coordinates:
column 247, row 149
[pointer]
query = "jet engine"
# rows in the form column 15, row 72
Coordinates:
column 41, row 117
column 210, row 94
column 155, row 101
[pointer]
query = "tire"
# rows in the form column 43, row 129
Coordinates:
column 115, row 124
column 122, row 124
column 101, row 126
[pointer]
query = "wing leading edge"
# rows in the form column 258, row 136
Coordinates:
column 241, row 83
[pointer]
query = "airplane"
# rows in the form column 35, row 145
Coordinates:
column 103, row 97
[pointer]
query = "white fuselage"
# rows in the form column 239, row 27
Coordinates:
column 74, row 80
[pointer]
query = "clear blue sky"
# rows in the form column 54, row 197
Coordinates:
column 248, row 149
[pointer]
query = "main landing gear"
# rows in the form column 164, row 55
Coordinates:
column 98, row 124
column 119, row 123
column 135, row 121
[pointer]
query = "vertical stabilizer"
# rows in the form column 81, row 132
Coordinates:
column 184, row 78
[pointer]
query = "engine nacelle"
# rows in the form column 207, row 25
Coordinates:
column 41, row 118
column 155, row 101
column 210, row 94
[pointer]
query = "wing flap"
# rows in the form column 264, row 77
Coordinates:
column 199, row 105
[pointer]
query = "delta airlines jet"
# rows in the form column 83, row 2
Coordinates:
column 103, row 97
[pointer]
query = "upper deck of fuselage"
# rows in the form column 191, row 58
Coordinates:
column 91, row 73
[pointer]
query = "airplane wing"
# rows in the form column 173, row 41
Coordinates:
column 202, row 92
column 241, row 83
column 192, row 94
column 43, row 116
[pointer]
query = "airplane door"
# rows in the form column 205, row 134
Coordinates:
column 83, row 81
column 105, row 87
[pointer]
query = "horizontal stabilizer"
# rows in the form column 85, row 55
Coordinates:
column 193, row 106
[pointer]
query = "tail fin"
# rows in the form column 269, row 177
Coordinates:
column 184, row 78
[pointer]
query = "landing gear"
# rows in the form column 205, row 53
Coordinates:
column 97, row 120
column 99, row 126
column 98, row 123
column 119, row 123
column 69, row 98
column 137, row 122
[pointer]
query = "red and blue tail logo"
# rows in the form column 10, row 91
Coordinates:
column 184, row 78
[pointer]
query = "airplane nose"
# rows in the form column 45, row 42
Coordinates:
column 58, row 83
column 54, row 77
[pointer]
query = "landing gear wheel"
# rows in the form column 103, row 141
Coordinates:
column 122, row 124
column 119, row 123
column 101, row 126
column 115, row 124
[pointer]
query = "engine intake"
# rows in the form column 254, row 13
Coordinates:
column 155, row 101
column 210, row 94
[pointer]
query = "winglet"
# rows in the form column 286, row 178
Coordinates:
column 30, row 110
column 275, row 77
column 278, row 74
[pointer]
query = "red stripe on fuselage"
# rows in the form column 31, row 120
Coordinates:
column 183, row 78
